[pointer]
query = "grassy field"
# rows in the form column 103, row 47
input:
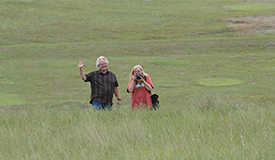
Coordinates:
column 211, row 62
column 215, row 129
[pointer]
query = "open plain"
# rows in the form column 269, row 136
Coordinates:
column 212, row 62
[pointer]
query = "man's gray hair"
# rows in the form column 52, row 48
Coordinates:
column 99, row 58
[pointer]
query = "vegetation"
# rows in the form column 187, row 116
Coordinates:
column 202, row 129
column 211, row 62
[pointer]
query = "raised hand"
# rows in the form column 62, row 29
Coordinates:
column 80, row 63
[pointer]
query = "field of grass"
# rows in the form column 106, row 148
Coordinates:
column 211, row 62
column 204, row 129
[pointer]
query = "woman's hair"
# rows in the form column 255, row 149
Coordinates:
column 135, row 67
column 99, row 58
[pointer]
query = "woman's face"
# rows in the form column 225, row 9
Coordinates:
column 137, row 70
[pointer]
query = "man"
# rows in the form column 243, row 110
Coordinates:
column 103, row 84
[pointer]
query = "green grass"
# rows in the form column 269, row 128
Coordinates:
column 11, row 99
column 212, row 128
column 169, row 62
column 45, row 111
column 252, row 8
column 219, row 82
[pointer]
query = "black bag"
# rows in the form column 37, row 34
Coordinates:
column 155, row 101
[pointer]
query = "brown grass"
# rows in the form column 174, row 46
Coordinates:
column 252, row 25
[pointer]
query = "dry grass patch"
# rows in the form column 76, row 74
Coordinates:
column 253, row 25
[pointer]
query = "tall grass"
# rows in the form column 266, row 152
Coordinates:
column 187, row 47
column 178, row 43
column 212, row 128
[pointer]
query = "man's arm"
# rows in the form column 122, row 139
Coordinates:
column 81, row 73
column 118, row 96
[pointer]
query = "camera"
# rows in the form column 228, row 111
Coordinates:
column 139, row 76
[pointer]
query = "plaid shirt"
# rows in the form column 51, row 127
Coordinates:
column 102, row 86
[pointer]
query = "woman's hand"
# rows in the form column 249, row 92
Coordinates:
column 141, row 79
column 132, row 86
column 134, row 77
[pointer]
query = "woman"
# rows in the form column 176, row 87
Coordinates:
column 140, row 86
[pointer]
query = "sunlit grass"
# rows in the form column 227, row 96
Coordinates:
column 253, row 7
column 11, row 99
column 169, row 62
column 219, row 82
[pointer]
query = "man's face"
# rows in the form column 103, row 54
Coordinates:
column 102, row 64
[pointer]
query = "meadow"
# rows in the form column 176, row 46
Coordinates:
column 211, row 62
